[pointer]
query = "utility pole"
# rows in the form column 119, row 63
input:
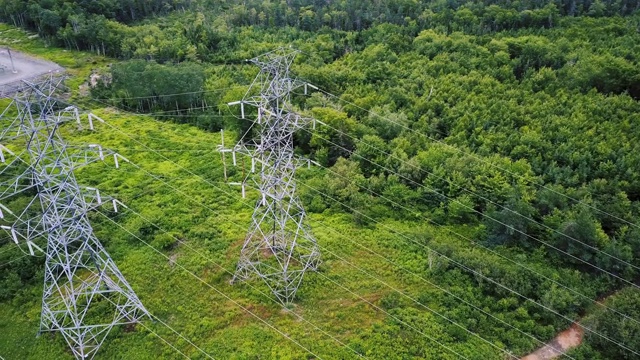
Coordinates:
column 279, row 247
column 13, row 68
column 85, row 295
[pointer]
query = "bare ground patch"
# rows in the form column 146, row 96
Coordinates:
column 566, row 340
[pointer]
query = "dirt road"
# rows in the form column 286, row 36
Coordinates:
column 566, row 340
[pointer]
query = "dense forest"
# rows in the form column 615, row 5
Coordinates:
column 491, row 147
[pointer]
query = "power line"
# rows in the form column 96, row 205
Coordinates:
column 476, row 272
column 215, row 289
column 223, row 191
column 167, row 326
column 165, row 341
column 595, row 301
column 77, row 267
column 169, row 95
column 431, row 283
column 470, row 192
column 198, row 202
column 483, row 246
column 14, row 260
column 475, row 334
column 468, row 269
column 489, row 217
column 231, row 273
column 481, row 159
column 440, row 254
column 279, row 247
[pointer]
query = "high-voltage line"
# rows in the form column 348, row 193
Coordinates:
column 279, row 247
column 85, row 295
column 211, row 183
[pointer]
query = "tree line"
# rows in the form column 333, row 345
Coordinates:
column 198, row 28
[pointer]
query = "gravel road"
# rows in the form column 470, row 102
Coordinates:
column 26, row 67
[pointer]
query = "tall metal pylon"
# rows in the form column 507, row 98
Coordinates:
column 279, row 247
column 85, row 295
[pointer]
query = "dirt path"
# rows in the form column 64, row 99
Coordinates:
column 566, row 340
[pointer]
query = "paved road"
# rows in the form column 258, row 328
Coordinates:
column 26, row 67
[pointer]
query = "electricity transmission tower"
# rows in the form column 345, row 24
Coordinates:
column 279, row 247
column 85, row 295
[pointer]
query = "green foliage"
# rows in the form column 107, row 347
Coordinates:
column 460, row 210
column 616, row 327
column 145, row 86
column 336, row 139
column 487, row 119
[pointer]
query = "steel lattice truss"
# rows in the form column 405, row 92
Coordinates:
column 85, row 295
column 279, row 247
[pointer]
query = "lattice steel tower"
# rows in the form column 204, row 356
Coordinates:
column 85, row 295
column 279, row 247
